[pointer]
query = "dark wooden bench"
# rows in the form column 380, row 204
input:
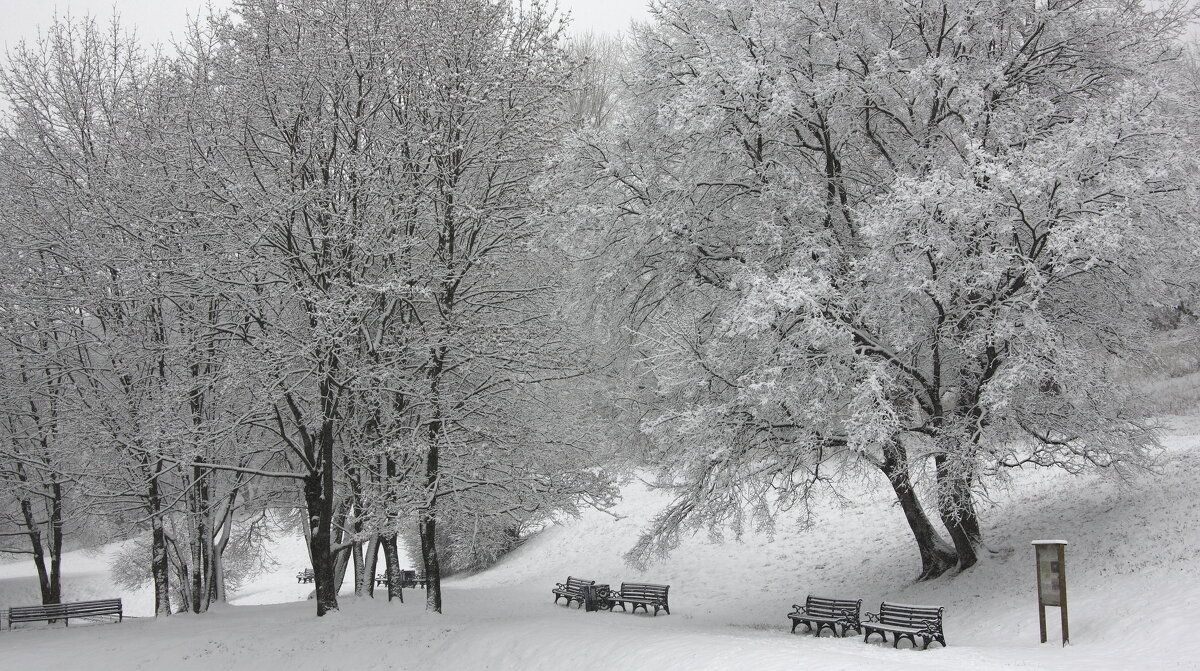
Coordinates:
column 642, row 594
column 905, row 621
column 571, row 590
column 65, row 611
column 305, row 576
column 818, row 613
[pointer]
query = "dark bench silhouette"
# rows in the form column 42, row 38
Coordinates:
column 818, row 613
column 905, row 621
column 642, row 594
column 571, row 590
column 65, row 611
column 305, row 576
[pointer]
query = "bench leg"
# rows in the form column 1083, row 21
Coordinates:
column 867, row 636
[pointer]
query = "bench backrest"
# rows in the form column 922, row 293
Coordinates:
column 905, row 615
column 574, row 584
column 821, row 606
column 72, row 609
column 642, row 590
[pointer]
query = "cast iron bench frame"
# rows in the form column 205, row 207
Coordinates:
column 305, row 576
column 642, row 594
column 825, row 612
column 905, row 621
column 571, row 590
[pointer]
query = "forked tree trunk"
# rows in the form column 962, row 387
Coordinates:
column 937, row 556
column 217, row 582
column 956, row 507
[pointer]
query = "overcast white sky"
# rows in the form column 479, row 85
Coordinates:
column 157, row 20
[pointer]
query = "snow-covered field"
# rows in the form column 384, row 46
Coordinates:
column 1132, row 565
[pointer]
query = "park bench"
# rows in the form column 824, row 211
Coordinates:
column 641, row 594
column 820, row 612
column 65, row 611
column 571, row 590
column 304, row 576
column 905, row 621
column 380, row 578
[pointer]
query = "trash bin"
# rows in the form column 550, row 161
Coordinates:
column 595, row 597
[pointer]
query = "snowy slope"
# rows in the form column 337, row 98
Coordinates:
column 1131, row 563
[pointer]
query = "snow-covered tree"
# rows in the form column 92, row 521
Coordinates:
column 914, row 236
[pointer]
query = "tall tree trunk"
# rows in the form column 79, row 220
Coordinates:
column 217, row 582
column 956, row 507
column 360, row 569
column 391, row 561
column 160, row 565
column 937, row 556
column 33, row 531
column 200, row 540
column 433, row 569
column 320, row 519
column 371, row 564
column 56, row 542
column 341, row 556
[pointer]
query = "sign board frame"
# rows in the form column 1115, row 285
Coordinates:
column 1050, row 557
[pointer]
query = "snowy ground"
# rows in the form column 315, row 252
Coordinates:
column 1132, row 564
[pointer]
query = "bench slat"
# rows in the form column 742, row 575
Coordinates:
column 642, row 594
column 65, row 611
column 907, row 621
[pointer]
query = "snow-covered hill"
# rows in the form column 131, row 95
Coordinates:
column 1134, row 551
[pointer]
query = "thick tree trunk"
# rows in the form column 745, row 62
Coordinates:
column 433, row 569
column 160, row 567
column 937, row 556
column 320, row 519
column 956, row 507
column 391, row 567
column 391, row 561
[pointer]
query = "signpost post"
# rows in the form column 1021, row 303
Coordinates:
column 1051, row 562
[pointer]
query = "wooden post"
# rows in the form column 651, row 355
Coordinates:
column 1051, row 561
column 1062, row 592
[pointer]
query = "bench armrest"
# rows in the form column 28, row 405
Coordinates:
column 932, row 628
column 798, row 610
column 870, row 617
column 559, row 585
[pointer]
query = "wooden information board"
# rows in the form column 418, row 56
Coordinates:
column 1051, row 559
